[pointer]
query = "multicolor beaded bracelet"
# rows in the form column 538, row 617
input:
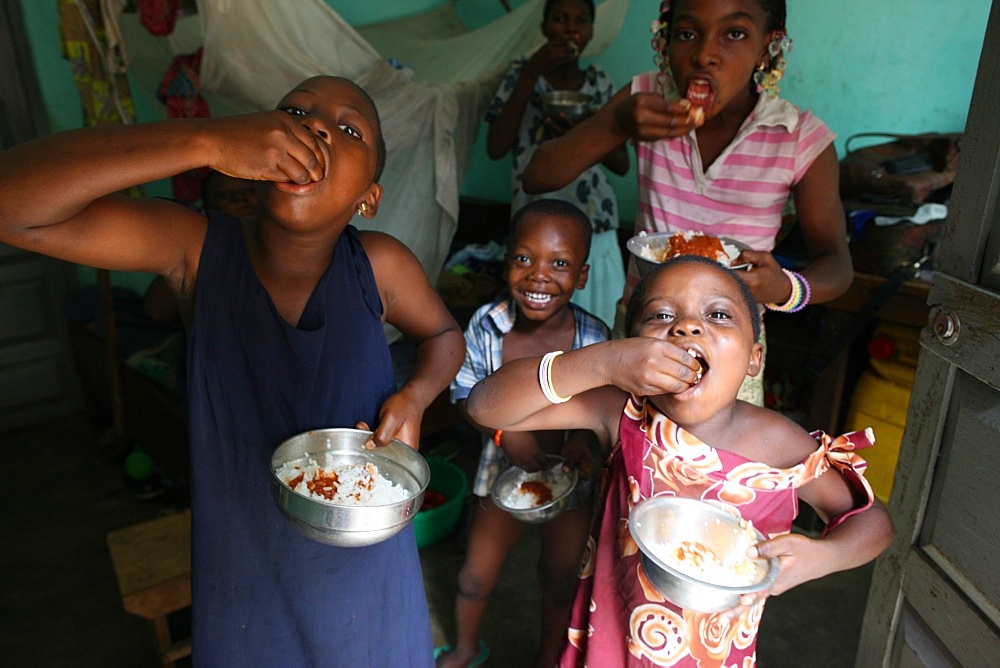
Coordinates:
column 801, row 294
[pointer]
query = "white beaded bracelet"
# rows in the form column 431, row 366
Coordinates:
column 545, row 378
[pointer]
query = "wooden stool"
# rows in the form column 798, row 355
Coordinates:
column 152, row 561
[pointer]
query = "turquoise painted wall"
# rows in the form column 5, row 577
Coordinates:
column 890, row 65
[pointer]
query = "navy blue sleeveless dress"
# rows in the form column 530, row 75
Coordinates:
column 264, row 594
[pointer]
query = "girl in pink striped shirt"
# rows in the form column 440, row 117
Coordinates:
column 718, row 151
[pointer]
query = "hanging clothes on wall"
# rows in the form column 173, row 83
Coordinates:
column 91, row 43
column 180, row 91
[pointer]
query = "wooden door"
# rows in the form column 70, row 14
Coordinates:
column 37, row 378
column 935, row 597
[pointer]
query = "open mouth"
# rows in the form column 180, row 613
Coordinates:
column 536, row 299
column 702, row 362
column 699, row 93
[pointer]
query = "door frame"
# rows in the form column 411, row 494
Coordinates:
column 969, row 258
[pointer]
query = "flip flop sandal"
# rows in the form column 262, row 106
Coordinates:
column 481, row 658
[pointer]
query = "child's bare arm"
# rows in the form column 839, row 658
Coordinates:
column 627, row 116
column 820, row 215
column 618, row 160
column 858, row 540
column 411, row 305
column 504, row 128
column 525, row 449
column 57, row 193
column 556, row 162
column 595, row 375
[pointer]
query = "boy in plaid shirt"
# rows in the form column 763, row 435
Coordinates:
column 547, row 251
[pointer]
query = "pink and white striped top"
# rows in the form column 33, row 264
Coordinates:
column 741, row 196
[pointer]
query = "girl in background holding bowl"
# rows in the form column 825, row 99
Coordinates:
column 284, row 313
column 719, row 152
column 518, row 125
column 664, row 403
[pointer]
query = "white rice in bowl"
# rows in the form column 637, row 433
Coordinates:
column 537, row 489
column 700, row 562
column 342, row 484
column 661, row 248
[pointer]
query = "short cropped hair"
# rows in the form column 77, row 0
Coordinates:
column 641, row 293
column 552, row 207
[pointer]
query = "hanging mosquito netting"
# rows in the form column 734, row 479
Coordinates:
column 430, row 76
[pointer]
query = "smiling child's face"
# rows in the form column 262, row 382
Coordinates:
column 545, row 263
column 699, row 307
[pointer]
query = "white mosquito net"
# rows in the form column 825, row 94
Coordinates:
column 431, row 100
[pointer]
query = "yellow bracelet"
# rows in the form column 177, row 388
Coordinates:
column 545, row 378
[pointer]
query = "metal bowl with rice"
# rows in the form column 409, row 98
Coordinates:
column 650, row 250
column 666, row 528
column 395, row 487
column 538, row 496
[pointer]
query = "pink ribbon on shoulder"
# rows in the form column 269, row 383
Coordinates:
column 842, row 455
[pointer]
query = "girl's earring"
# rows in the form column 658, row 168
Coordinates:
column 760, row 78
column 363, row 209
column 766, row 81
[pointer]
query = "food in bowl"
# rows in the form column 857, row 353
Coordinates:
column 433, row 499
column 689, row 243
column 444, row 502
column 346, row 484
column 696, row 559
column 346, row 525
column 694, row 552
column 650, row 250
column 536, row 496
column 536, row 489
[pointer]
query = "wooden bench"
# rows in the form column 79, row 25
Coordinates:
column 152, row 562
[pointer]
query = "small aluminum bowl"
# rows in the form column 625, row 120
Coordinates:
column 575, row 105
column 511, row 479
column 662, row 521
column 350, row 526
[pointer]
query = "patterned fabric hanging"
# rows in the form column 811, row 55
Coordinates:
column 159, row 16
column 98, row 65
column 180, row 92
column 98, row 68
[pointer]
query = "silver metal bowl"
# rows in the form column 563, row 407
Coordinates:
column 660, row 522
column 350, row 526
column 575, row 105
column 511, row 479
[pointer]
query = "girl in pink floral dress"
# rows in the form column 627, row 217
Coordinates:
column 664, row 403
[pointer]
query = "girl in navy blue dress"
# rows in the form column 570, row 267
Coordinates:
column 284, row 315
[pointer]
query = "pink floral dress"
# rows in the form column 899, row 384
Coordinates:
column 619, row 618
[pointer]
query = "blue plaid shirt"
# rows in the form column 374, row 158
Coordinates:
column 484, row 355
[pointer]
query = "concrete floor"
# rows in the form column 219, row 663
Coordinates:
column 62, row 491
